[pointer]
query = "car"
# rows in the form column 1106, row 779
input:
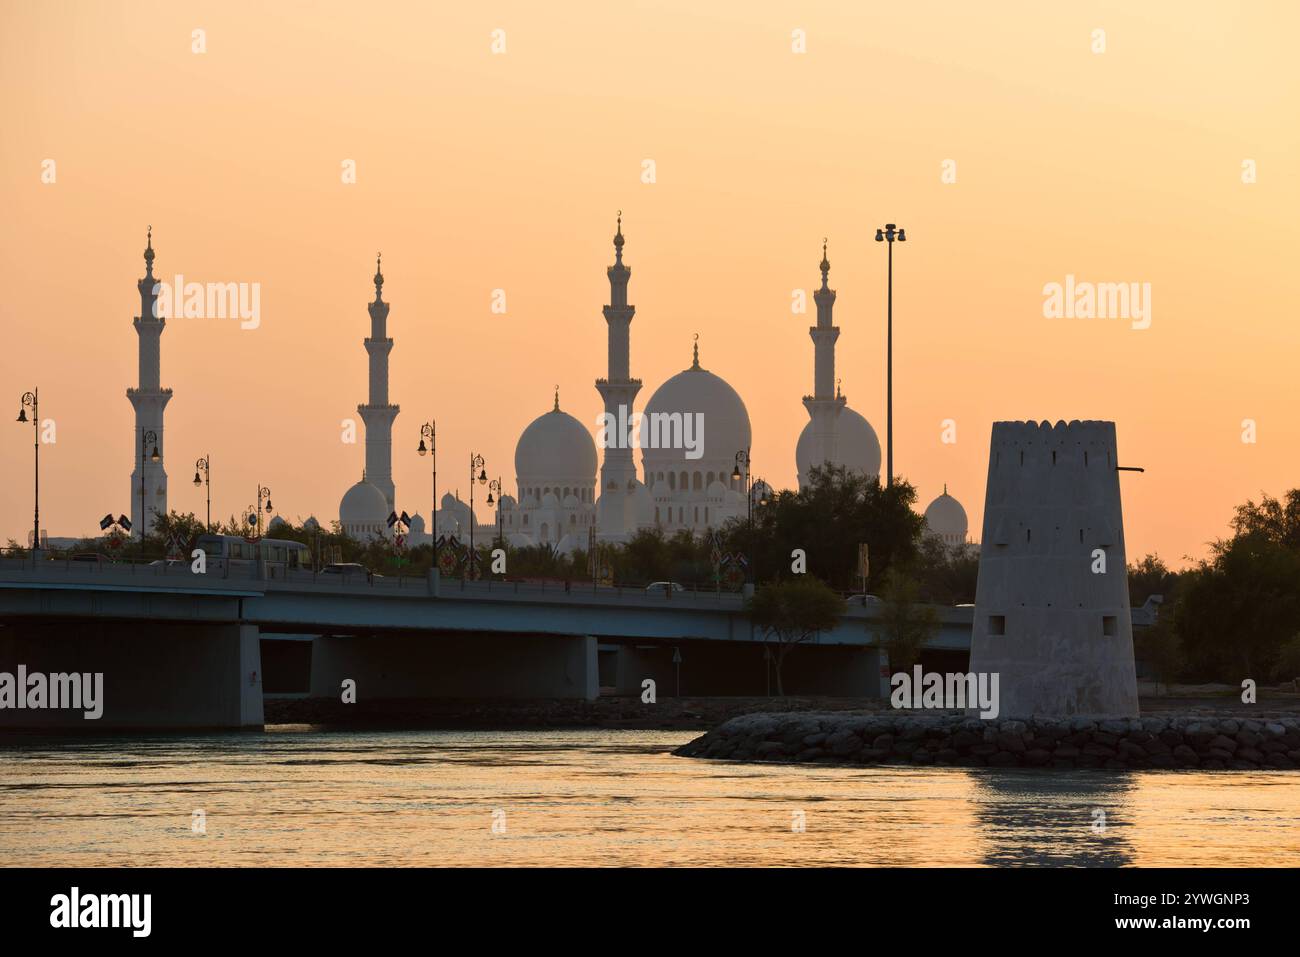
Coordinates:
column 349, row 571
column 865, row 600
column 665, row 587
column 90, row 558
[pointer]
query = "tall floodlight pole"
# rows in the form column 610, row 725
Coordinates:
column 889, row 234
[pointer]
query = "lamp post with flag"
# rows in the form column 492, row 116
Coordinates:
column 116, row 529
column 401, row 526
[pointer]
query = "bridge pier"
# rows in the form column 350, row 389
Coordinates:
column 156, row 676
column 456, row 666
column 731, row 668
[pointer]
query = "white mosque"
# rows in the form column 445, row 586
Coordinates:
column 694, row 481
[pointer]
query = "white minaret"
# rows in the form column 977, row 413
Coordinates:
column 378, row 413
column 825, row 403
column 148, row 478
column 618, row 390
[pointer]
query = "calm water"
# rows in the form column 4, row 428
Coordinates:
column 600, row 797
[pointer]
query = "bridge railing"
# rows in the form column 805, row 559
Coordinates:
column 272, row 574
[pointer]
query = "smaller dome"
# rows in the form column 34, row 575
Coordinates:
column 717, row 489
column 276, row 522
column 311, row 524
column 550, row 501
column 417, row 524
column 363, row 504
column 946, row 518
column 507, row 502
column 571, row 501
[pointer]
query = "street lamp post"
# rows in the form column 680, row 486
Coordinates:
column 889, row 234
column 145, row 439
column 201, row 466
column 494, row 488
column 475, row 463
column 430, row 431
column 30, row 399
column 262, row 492
column 741, row 471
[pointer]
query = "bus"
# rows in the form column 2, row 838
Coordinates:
column 232, row 551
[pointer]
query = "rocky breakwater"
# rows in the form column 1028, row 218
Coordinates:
column 1201, row 741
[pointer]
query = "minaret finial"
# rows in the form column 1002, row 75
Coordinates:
column 618, row 239
column 379, row 277
column 825, row 264
column 945, row 488
column 148, row 252
column 695, row 364
column 557, row 399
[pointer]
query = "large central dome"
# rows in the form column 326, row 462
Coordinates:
column 712, row 404
column 555, row 447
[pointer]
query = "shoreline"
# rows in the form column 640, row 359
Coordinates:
column 1205, row 741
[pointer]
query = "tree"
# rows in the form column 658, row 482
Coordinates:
column 1159, row 647
column 904, row 625
column 946, row 574
column 1151, row 576
column 828, row 520
column 1279, row 522
column 1238, row 608
column 791, row 612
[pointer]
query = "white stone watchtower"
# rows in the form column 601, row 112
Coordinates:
column 1052, row 612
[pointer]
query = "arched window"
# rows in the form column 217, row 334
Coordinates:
column 699, row 481
column 672, row 480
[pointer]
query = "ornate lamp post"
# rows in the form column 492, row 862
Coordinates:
column 494, row 488
column 203, row 476
column 430, row 431
column 889, row 234
column 741, row 471
column 145, row 439
column 262, row 493
column 477, row 474
column 30, row 399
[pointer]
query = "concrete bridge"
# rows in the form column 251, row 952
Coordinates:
column 178, row 649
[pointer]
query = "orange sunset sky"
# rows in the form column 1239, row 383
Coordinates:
column 479, row 171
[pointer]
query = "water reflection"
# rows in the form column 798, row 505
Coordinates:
column 587, row 797
column 1027, row 817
